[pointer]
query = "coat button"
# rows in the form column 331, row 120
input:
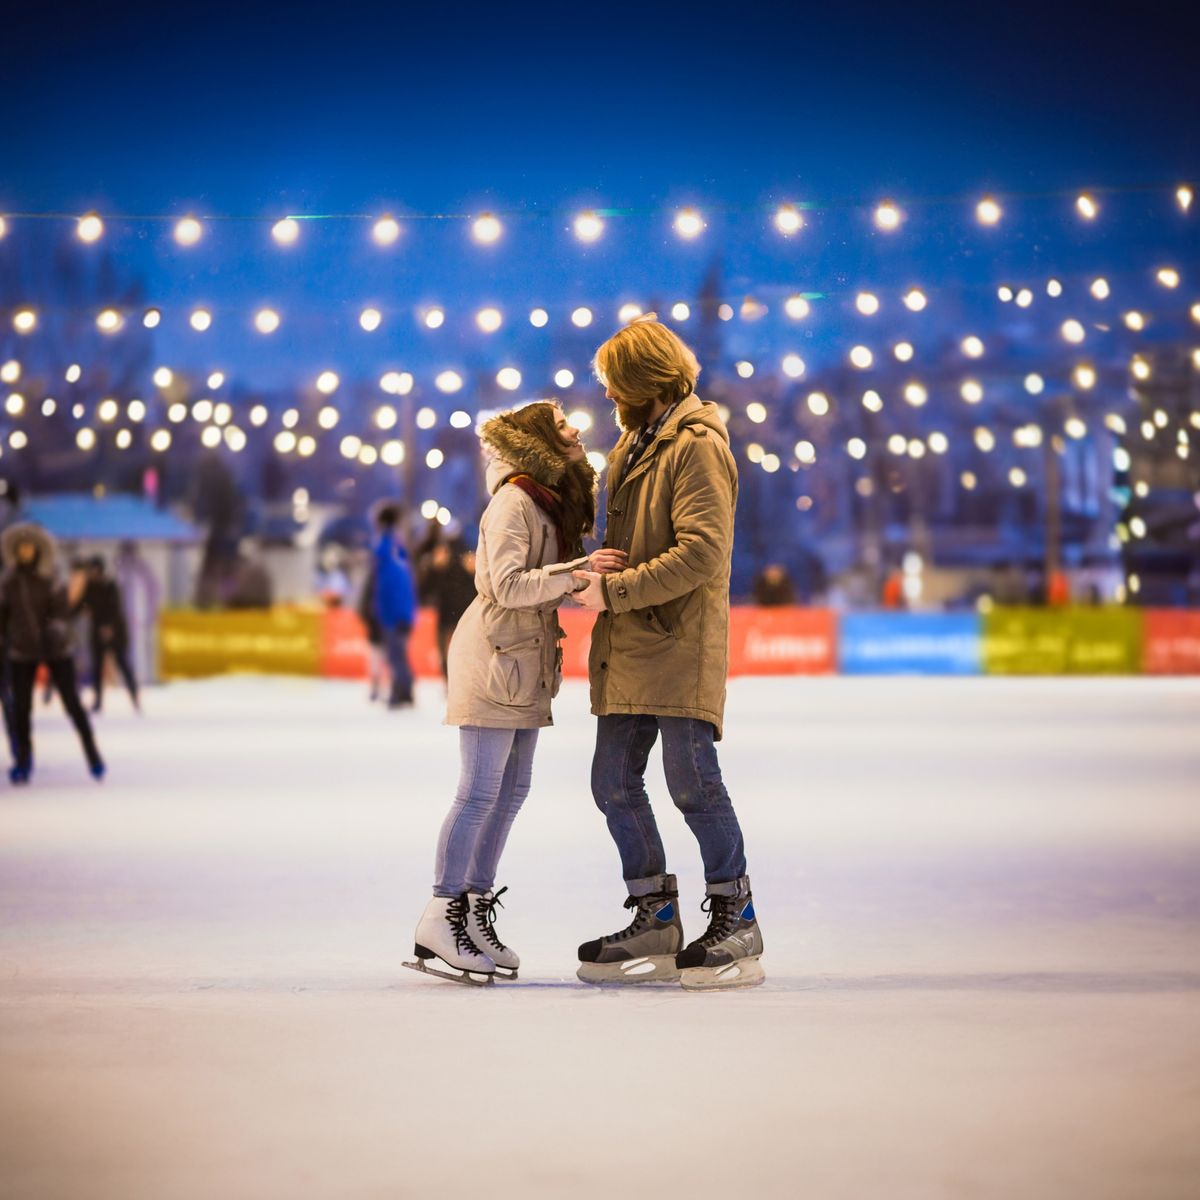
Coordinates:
column 604, row 666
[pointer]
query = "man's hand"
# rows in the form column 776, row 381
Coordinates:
column 592, row 596
column 606, row 560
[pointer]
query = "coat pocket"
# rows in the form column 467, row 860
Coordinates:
column 514, row 674
column 663, row 619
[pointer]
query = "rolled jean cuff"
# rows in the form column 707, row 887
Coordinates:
column 735, row 888
column 652, row 885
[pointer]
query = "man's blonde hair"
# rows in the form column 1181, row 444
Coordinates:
column 645, row 363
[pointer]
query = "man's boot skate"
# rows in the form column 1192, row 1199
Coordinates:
column 644, row 952
column 481, row 925
column 727, row 956
column 442, row 935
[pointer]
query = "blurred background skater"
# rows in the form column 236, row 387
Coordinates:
column 377, row 672
column 773, row 587
column 332, row 582
column 35, row 627
column 108, row 632
column 448, row 586
column 395, row 602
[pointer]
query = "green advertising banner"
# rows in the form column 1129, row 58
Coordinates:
column 277, row 641
column 1062, row 641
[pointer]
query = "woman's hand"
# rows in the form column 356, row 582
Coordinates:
column 606, row 560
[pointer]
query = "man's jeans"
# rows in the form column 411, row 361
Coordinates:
column 623, row 745
column 497, row 765
column 395, row 645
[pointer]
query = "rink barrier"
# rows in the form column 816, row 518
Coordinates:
column 1063, row 641
column 909, row 644
column 273, row 641
column 762, row 641
column 1171, row 643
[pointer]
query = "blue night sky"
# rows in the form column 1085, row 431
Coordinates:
column 253, row 111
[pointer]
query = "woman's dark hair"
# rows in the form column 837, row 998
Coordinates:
column 576, row 488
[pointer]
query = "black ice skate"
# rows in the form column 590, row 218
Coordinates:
column 442, row 935
column 643, row 952
column 727, row 956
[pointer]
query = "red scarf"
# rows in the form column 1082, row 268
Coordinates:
column 549, row 502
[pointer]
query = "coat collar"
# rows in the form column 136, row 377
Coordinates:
column 616, row 460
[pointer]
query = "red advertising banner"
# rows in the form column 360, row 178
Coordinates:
column 1171, row 642
column 578, row 624
column 344, row 646
column 782, row 641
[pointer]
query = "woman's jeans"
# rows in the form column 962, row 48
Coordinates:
column 623, row 745
column 497, row 765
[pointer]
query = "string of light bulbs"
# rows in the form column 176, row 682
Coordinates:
column 589, row 225
column 797, row 306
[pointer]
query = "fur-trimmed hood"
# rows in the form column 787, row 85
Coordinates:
column 27, row 531
column 510, row 450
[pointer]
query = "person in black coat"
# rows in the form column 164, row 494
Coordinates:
column 101, row 600
column 449, row 586
column 35, row 627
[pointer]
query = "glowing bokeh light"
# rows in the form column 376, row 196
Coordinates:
column 788, row 219
column 688, row 223
column 489, row 319
column 588, row 226
column 89, row 228
column 286, row 231
column 385, row 231
column 486, row 228
column 266, row 320
column 188, row 231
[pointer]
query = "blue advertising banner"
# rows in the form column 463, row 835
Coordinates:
column 910, row 644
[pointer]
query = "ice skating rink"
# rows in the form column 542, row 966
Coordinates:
column 980, row 899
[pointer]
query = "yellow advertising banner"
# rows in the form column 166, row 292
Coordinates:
column 276, row 641
column 1062, row 641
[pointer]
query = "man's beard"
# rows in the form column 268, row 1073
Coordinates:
column 632, row 416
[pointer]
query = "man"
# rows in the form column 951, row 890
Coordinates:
column 109, row 631
column 658, row 665
column 395, row 602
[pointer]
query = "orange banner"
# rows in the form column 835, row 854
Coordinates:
column 344, row 647
column 782, row 641
column 1171, row 642
column 578, row 642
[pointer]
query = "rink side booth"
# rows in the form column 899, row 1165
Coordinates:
column 331, row 642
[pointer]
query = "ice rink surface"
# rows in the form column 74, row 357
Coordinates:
column 980, row 900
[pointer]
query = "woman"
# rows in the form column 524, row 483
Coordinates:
column 504, row 670
column 35, row 627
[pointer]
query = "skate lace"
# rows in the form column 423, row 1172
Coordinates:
column 485, row 915
column 456, row 913
column 722, row 919
column 645, row 906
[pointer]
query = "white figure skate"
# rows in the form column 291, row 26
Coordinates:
column 442, row 936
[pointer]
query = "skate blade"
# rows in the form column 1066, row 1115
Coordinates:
column 470, row 980
column 744, row 973
column 655, row 968
column 501, row 973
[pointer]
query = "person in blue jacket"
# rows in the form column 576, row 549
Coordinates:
column 395, row 602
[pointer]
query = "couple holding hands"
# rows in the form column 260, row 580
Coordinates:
column 658, row 666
